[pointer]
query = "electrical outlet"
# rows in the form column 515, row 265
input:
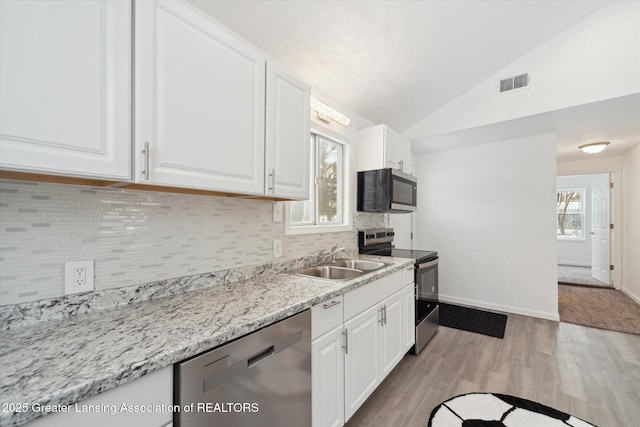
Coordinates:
column 277, row 248
column 78, row 277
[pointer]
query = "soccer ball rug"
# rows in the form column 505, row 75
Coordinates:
column 499, row 410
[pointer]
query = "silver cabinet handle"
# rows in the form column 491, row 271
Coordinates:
column 331, row 304
column 384, row 310
column 381, row 316
column 145, row 172
column 346, row 341
column 272, row 180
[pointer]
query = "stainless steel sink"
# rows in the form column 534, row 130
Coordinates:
column 357, row 264
column 330, row 272
column 340, row 269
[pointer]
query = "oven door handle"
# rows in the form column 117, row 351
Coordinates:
column 428, row 264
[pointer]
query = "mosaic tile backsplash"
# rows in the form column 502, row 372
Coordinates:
column 136, row 236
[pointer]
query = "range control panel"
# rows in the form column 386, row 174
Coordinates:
column 374, row 236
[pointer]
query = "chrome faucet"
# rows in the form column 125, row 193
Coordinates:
column 334, row 251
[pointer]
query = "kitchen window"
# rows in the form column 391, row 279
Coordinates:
column 570, row 214
column 327, row 209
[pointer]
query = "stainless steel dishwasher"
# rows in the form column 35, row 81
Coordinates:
column 261, row 379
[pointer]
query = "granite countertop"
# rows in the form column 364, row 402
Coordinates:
column 63, row 362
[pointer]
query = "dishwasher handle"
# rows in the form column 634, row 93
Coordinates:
column 228, row 372
column 273, row 349
column 263, row 355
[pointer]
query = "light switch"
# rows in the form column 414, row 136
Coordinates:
column 277, row 212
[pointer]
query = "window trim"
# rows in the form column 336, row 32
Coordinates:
column 583, row 236
column 347, row 191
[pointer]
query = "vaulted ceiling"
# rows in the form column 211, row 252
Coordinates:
column 397, row 62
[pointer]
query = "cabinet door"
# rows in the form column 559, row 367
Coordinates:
column 392, row 333
column 404, row 156
column 409, row 314
column 392, row 141
column 327, row 379
column 200, row 102
column 287, row 135
column 152, row 390
column 411, row 161
column 65, row 91
column 362, row 359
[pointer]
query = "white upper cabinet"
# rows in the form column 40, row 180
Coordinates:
column 287, row 135
column 404, row 157
column 391, row 141
column 381, row 147
column 209, row 114
column 200, row 103
column 65, row 88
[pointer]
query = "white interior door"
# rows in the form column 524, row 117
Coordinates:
column 600, row 231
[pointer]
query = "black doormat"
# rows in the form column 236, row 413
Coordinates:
column 473, row 320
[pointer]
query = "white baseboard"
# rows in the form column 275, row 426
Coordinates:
column 631, row 295
column 497, row 307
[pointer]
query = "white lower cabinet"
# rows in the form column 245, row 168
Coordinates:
column 351, row 360
column 391, row 333
column 327, row 376
column 362, row 359
column 409, row 298
column 117, row 407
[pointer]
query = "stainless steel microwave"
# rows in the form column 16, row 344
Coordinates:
column 386, row 190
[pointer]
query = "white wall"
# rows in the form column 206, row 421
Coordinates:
column 489, row 211
column 594, row 60
column 631, row 226
column 577, row 251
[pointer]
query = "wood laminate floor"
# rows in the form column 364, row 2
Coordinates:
column 591, row 373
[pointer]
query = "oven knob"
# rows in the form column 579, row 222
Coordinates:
column 391, row 233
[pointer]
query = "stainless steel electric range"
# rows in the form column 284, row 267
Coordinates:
column 379, row 241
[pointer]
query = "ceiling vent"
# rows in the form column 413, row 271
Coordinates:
column 512, row 83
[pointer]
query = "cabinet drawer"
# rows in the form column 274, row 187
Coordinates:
column 370, row 294
column 326, row 316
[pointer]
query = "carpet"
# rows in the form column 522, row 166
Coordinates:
column 599, row 308
column 473, row 320
column 499, row 410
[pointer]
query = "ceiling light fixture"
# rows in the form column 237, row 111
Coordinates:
column 328, row 114
column 593, row 148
